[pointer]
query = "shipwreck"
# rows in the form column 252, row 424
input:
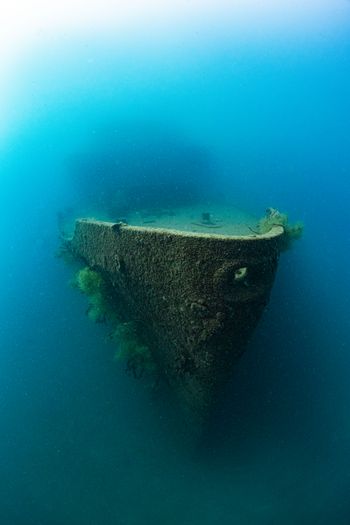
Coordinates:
column 195, row 295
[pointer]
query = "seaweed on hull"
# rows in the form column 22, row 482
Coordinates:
column 102, row 308
column 292, row 232
column 137, row 356
column 93, row 285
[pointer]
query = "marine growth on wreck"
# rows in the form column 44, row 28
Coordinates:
column 180, row 305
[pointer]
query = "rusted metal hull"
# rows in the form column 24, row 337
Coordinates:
column 197, row 297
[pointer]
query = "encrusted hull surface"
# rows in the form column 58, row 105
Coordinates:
column 197, row 297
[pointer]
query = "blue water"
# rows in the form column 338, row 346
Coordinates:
column 261, row 122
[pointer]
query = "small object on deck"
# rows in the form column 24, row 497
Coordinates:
column 206, row 218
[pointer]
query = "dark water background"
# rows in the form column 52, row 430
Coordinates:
column 267, row 123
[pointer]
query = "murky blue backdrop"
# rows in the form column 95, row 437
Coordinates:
column 267, row 123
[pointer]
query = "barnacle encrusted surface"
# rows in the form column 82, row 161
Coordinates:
column 197, row 297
